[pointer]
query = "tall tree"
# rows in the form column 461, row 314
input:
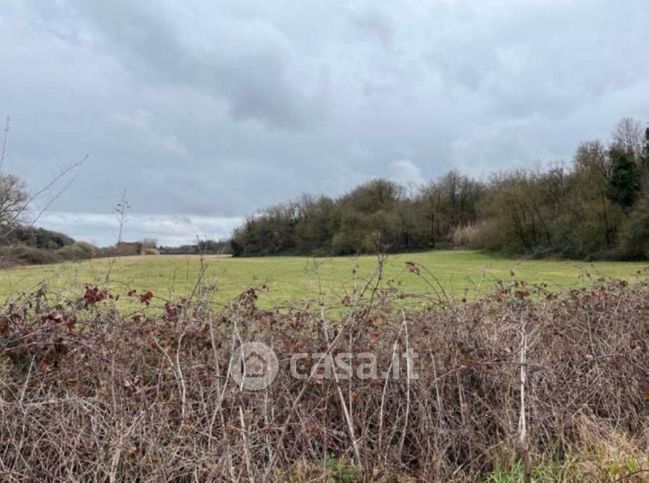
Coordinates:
column 628, row 135
column 624, row 184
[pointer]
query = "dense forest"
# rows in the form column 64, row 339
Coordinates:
column 595, row 207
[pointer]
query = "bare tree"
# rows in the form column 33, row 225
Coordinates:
column 13, row 199
column 628, row 134
column 13, row 193
column 16, row 201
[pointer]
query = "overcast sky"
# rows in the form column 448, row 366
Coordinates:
column 207, row 111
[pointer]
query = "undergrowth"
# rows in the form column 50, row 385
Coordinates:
column 521, row 385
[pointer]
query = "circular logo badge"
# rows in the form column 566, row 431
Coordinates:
column 253, row 366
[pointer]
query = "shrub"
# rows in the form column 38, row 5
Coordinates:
column 104, row 395
column 77, row 251
column 24, row 255
column 467, row 236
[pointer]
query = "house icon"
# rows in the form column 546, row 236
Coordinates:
column 253, row 366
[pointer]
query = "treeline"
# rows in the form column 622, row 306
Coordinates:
column 595, row 207
column 202, row 247
column 34, row 237
column 37, row 246
column 27, row 245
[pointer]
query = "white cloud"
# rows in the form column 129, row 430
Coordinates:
column 405, row 172
column 168, row 230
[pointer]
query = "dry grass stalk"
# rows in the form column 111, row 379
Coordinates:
column 89, row 394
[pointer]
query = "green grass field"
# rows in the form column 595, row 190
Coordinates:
column 296, row 279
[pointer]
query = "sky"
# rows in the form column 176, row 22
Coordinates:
column 205, row 112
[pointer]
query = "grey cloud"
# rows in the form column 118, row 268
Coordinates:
column 248, row 64
column 217, row 109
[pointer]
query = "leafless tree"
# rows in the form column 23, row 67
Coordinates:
column 13, row 199
column 13, row 194
column 628, row 133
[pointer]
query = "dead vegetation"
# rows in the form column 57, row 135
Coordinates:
column 520, row 385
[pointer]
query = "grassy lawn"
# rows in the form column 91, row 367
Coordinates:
column 295, row 279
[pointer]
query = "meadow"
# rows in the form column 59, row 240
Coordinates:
column 285, row 281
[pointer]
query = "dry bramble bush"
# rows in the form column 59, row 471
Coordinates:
column 522, row 382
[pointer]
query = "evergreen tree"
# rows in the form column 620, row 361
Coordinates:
column 624, row 183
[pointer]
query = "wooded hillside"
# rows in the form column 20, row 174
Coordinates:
column 597, row 206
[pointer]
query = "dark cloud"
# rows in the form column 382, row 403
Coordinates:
column 250, row 68
column 217, row 109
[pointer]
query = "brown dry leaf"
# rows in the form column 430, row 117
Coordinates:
column 644, row 389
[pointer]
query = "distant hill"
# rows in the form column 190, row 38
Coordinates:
column 36, row 238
